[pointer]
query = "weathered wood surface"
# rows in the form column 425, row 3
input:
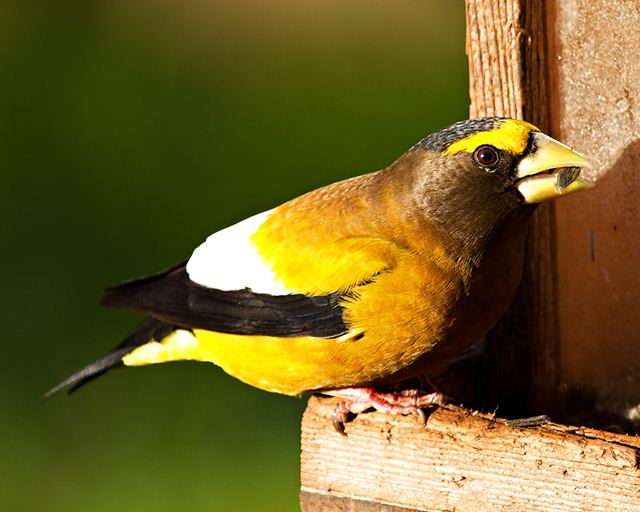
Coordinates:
column 464, row 462
column 595, row 78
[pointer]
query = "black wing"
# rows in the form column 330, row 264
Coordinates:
column 173, row 298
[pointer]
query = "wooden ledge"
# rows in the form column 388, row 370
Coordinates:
column 462, row 461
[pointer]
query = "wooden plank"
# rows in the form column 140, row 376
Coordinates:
column 464, row 462
column 596, row 82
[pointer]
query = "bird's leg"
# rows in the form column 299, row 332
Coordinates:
column 405, row 401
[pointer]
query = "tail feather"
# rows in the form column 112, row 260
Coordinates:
column 150, row 329
column 89, row 372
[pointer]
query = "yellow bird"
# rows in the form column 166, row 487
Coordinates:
column 360, row 284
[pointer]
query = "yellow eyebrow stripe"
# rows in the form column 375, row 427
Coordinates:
column 509, row 135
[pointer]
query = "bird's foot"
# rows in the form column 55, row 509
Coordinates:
column 405, row 401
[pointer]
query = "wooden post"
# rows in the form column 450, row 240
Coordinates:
column 570, row 345
column 508, row 76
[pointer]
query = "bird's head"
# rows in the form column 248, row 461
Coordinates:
column 471, row 175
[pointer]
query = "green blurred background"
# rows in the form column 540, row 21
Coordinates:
column 132, row 129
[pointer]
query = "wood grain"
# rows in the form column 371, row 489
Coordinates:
column 508, row 71
column 464, row 462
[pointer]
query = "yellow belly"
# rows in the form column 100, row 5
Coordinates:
column 282, row 365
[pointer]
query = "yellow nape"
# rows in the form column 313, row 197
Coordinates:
column 509, row 135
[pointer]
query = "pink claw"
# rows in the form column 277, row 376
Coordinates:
column 357, row 400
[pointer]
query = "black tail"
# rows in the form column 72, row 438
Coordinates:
column 150, row 329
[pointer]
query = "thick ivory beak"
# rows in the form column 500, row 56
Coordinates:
column 550, row 170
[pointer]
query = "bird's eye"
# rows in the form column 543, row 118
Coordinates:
column 486, row 156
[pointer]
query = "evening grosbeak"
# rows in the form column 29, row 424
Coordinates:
column 361, row 284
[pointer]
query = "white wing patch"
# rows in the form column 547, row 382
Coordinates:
column 229, row 260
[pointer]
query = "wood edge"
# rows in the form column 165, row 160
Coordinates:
column 313, row 500
column 444, row 417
